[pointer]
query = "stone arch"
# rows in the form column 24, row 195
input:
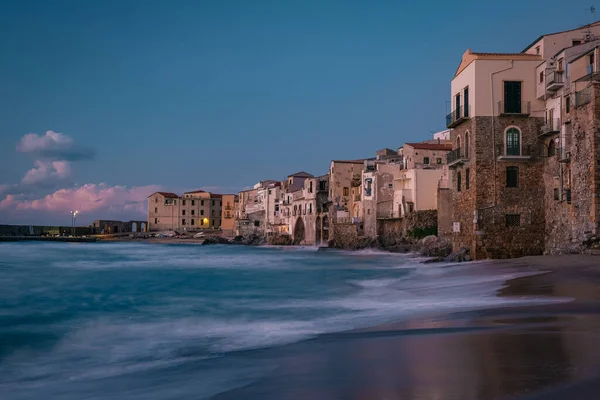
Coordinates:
column 318, row 230
column 143, row 227
column 134, row 227
column 299, row 231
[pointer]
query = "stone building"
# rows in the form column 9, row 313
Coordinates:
column 425, row 154
column 378, row 192
column 105, row 227
column 228, row 213
column 518, row 119
column 345, row 189
column 193, row 211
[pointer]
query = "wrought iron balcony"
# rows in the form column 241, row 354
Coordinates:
column 457, row 156
column 514, row 108
column 551, row 127
column 554, row 81
column 457, row 116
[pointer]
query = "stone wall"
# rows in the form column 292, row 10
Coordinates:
column 33, row 230
column 390, row 231
column 344, row 236
column 570, row 225
column 419, row 224
column 444, row 213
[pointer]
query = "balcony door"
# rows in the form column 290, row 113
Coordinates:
column 512, row 97
column 457, row 114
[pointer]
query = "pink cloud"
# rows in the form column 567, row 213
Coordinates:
column 93, row 201
column 53, row 146
column 47, row 170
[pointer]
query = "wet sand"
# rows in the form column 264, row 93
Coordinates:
column 542, row 352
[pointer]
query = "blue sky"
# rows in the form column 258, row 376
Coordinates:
column 189, row 94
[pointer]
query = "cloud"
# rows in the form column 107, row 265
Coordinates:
column 45, row 171
column 93, row 201
column 53, row 146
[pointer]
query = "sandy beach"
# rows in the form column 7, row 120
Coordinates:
column 547, row 351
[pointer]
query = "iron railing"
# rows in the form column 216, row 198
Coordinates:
column 457, row 116
column 550, row 126
column 514, row 107
column 554, row 80
column 563, row 153
column 457, row 154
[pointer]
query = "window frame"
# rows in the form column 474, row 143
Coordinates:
column 509, row 182
column 511, row 130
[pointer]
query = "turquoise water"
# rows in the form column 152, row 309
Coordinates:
column 141, row 321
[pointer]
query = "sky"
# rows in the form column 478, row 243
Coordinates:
column 104, row 102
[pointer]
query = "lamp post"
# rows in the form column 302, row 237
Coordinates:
column 73, row 216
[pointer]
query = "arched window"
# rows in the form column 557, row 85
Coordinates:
column 458, row 142
column 513, row 142
column 552, row 148
column 467, row 145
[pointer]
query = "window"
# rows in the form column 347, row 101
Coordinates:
column 513, row 142
column 213, row 222
column 213, row 203
column 568, row 195
column 390, row 185
column 183, row 222
column 512, row 97
column 155, row 210
column 426, row 160
column 466, row 102
column 193, row 211
column 322, row 185
column 513, row 220
column 556, row 197
column 552, row 148
column 346, row 191
column 269, row 191
column 512, row 177
column 192, row 222
column 559, row 68
column 213, row 213
column 537, row 50
column 567, row 104
column 368, row 211
column 221, row 201
column 458, row 181
column 576, row 42
column 310, row 187
column 193, row 202
column 201, row 222
column 256, row 223
column 467, row 178
column 175, row 202
column 183, row 202
column 438, row 161
column 201, row 202
column 467, row 144
column 156, row 199
column 182, row 212
column 156, row 220
column 310, row 208
column 541, row 76
column 201, row 212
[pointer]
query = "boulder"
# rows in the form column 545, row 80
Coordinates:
column 280, row 240
column 432, row 246
column 459, row 256
column 215, row 240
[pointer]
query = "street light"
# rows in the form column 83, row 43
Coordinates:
column 73, row 216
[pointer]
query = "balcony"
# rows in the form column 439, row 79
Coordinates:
column 457, row 117
column 357, row 197
column 554, row 81
column 518, row 108
column 515, row 154
column 564, row 155
column 551, row 127
column 457, row 156
column 583, row 97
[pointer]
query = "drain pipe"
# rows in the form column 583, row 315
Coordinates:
column 494, row 132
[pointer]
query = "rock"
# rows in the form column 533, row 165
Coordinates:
column 432, row 246
column 253, row 240
column 215, row 240
column 459, row 256
column 434, row 260
column 280, row 240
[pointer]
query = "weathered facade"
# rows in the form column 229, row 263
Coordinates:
column 105, row 227
column 193, row 211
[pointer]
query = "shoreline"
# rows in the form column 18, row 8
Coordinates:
column 541, row 351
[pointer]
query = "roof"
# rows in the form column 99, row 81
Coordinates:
column 168, row 195
column 556, row 33
column 301, row 174
column 350, row 161
column 195, row 191
column 585, row 53
column 216, row 196
column 468, row 57
column 430, row 146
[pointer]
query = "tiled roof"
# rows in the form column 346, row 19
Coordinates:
column 301, row 174
column 430, row 146
column 350, row 161
column 555, row 33
column 168, row 195
column 216, row 196
column 196, row 191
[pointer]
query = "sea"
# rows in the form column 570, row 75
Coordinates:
column 177, row 321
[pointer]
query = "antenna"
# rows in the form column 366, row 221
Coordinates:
column 588, row 36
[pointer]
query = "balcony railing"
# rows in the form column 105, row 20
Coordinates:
column 554, row 81
column 551, row 126
column 518, row 153
column 564, row 154
column 590, row 69
column 456, row 156
column 514, row 108
column 583, row 97
column 457, row 116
